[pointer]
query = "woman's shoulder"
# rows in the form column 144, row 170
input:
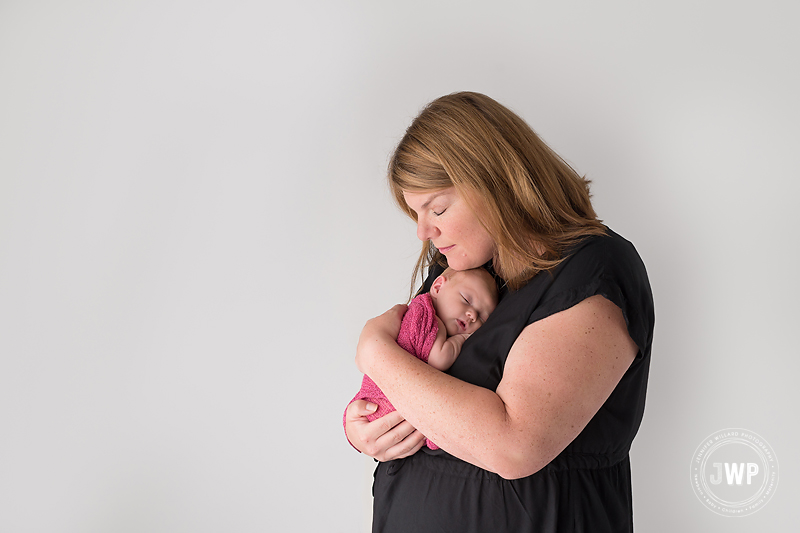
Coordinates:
column 606, row 265
column 609, row 244
column 603, row 256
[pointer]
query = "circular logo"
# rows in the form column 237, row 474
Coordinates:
column 734, row 472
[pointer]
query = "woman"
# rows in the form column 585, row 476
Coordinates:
column 536, row 417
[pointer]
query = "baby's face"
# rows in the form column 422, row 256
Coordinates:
column 463, row 302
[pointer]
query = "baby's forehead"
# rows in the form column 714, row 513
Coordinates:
column 479, row 280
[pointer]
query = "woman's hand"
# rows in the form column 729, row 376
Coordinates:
column 386, row 438
column 378, row 332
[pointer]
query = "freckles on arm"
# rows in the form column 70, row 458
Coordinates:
column 560, row 372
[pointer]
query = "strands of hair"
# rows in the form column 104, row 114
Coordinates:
column 533, row 204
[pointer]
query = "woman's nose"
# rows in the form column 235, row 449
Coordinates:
column 425, row 231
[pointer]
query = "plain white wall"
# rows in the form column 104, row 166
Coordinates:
column 194, row 225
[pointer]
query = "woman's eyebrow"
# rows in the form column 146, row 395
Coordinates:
column 432, row 198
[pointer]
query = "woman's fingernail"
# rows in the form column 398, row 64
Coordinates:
column 372, row 407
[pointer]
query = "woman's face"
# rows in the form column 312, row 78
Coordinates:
column 444, row 218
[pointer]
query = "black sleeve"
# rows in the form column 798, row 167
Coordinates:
column 608, row 266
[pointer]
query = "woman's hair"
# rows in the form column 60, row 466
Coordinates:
column 531, row 202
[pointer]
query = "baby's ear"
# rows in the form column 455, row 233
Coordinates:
column 437, row 285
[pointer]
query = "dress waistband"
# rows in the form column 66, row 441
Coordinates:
column 441, row 461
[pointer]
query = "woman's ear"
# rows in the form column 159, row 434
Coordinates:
column 437, row 285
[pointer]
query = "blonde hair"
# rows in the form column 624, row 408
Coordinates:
column 530, row 201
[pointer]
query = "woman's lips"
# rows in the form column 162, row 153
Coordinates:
column 446, row 249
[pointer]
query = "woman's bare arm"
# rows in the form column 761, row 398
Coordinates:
column 558, row 374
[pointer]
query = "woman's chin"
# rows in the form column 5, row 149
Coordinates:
column 461, row 263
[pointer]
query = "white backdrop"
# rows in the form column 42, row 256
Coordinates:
column 194, row 225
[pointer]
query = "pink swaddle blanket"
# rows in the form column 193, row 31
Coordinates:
column 417, row 334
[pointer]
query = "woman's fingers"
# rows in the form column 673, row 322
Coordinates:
column 385, row 438
column 389, row 322
column 360, row 408
column 361, row 430
column 384, row 425
column 399, row 309
column 383, row 433
column 401, row 440
column 409, row 445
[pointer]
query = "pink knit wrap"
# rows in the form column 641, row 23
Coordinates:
column 417, row 334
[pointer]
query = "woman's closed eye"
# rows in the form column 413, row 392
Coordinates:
column 439, row 213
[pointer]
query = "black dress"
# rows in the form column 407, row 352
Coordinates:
column 587, row 488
